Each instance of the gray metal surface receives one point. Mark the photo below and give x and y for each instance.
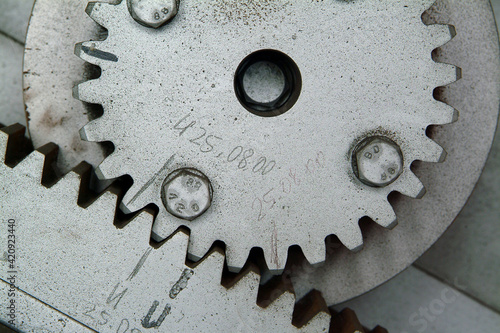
(449, 185)
(33, 316)
(470, 249)
(168, 104)
(475, 96)
(14, 17)
(109, 278)
(415, 302)
(11, 95)
(50, 72)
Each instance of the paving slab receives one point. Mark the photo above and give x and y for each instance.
(14, 17)
(416, 302)
(11, 91)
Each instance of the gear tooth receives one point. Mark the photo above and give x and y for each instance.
(211, 266)
(248, 281)
(411, 186)
(385, 215)
(69, 185)
(131, 202)
(310, 307)
(37, 164)
(177, 243)
(446, 74)
(88, 91)
(139, 228)
(315, 254)
(285, 301)
(163, 228)
(442, 114)
(235, 259)
(276, 258)
(352, 237)
(107, 169)
(440, 34)
(10, 136)
(320, 320)
(100, 12)
(94, 131)
(105, 206)
(430, 151)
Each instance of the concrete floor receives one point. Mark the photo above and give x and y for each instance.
(454, 287)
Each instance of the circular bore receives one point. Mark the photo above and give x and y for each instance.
(282, 78)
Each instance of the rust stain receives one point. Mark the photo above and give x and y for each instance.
(50, 120)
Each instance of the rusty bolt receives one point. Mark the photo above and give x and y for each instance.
(187, 194)
(378, 161)
(153, 13)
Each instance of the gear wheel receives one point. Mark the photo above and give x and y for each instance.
(281, 178)
(73, 258)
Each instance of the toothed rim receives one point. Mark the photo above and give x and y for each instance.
(63, 197)
(415, 144)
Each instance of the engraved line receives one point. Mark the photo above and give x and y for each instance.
(139, 264)
(99, 54)
(151, 181)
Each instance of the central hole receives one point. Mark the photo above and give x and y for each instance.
(264, 82)
(268, 83)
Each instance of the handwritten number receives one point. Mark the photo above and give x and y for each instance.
(270, 166)
(233, 156)
(270, 200)
(183, 129)
(261, 214)
(199, 137)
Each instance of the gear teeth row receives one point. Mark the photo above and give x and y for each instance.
(32, 170)
(432, 112)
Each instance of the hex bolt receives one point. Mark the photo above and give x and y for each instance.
(153, 13)
(187, 194)
(377, 161)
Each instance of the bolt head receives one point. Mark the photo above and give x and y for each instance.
(153, 13)
(378, 161)
(187, 194)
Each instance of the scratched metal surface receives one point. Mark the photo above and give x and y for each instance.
(475, 49)
(169, 105)
(76, 260)
(444, 193)
(50, 72)
(33, 316)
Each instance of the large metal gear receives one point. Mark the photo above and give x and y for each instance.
(281, 174)
(72, 253)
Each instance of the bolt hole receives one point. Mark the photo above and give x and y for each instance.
(268, 83)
